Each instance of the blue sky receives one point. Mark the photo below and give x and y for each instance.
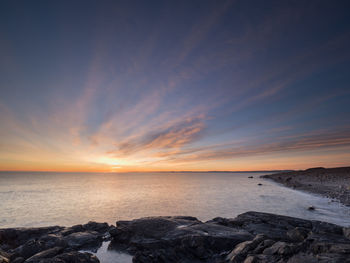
(174, 85)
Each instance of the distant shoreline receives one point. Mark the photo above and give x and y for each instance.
(262, 171)
(333, 183)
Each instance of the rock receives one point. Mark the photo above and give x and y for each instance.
(83, 239)
(5, 254)
(73, 229)
(276, 248)
(272, 226)
(178, 235)
(250, 259)
(340, 249)
(17, 236)
(298, 234)
(239, 253)
(94, 226)
(49, 253)
(311, 208)
(250, 177)
(324, 227)
(302, 257)
(250, 237)
(29, 248)
(72, 257)
(264, 244)
(53, 240)
(346, 232)
(4, 260)
(259, 184)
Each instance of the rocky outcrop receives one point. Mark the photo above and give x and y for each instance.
(251, 237)
(52, 244)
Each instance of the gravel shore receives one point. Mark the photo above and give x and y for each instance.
(330, 182)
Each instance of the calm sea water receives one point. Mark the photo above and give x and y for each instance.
(42, 199)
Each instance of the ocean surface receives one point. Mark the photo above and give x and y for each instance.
(43, 199)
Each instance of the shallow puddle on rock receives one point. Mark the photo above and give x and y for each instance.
(111, 256)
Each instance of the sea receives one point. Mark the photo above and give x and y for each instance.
(29, 199)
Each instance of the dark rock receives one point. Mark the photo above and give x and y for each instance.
(17, 236)
(49, 253)
(177, 235)
(29, 249)
(273, 226)
(259, 184)
(239, 253)
(264, 244)
(73, 229)
(83, 239)
(18, 260)
(311, 208)
(250, 177)
(251, 237)
(53, 240)
(72, 257)
(94, 226)
(324, 227)
(298, 234)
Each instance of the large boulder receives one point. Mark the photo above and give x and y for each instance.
(13, 237)
(186, 236)
(80, 240)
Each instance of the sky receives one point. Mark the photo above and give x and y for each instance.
(117, 86)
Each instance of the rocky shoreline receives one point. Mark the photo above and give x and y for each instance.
(248, 238)
(333, 183)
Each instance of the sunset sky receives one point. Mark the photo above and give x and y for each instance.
(174, 85)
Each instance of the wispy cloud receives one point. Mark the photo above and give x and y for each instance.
(301, 143)
(174, 136)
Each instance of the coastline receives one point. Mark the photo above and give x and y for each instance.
(333, 183)
(248, 238)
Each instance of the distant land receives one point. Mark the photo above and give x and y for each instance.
(330, 182)
(259, 171)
